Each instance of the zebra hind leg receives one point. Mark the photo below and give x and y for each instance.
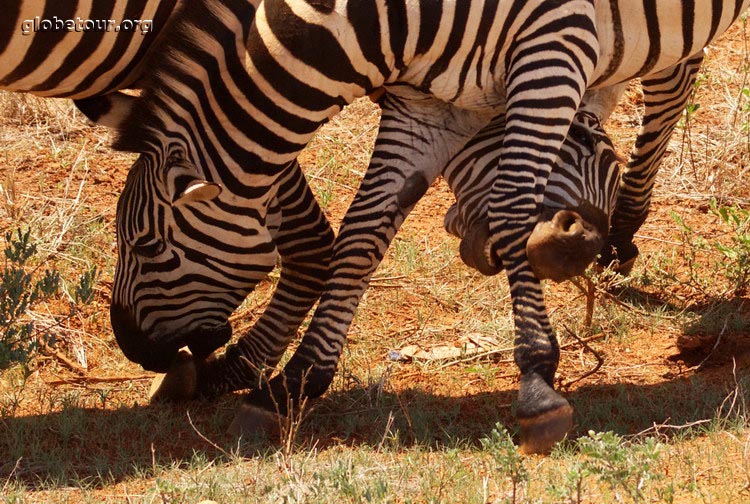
(665, 95)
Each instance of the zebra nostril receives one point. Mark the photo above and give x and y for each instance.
(568, 223)
(562, 247)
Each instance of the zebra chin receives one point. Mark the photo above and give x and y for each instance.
(157, 352)
(562, 245)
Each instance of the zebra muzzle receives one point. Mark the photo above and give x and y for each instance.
(137, 346)
(560, 247)
(563, 246)
(157, 351)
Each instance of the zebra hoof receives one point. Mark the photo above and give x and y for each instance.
(626, 267)
(180, 383)
(540, 433)
(254, 422)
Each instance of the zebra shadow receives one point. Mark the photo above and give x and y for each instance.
(714, 329)
(95, 447)
(100, 447)
(418, 417)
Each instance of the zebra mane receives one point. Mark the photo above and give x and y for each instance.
(170, 61)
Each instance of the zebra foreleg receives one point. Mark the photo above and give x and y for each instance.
(542, 101)
(305, 244)
(665, 96)
(357, 252)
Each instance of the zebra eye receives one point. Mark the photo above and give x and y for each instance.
(175, 157)
(148, 248)
(581, 135)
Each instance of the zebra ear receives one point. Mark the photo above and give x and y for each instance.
(198, 191)
(108, 110)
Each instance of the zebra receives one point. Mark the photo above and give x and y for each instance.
(197, 159)
(451, 66)
(578, 201)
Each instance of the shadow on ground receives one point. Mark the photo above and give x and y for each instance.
(715, 331)
(98, 447)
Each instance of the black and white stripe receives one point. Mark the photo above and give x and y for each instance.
(76, 64)
(666, 94)
(229, 103)
(584, 174)
(449, 68)
(296, 74)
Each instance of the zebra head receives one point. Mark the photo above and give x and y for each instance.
(189, 249)
(578, 200)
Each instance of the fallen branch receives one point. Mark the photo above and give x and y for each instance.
(599, 359)
(77, 380)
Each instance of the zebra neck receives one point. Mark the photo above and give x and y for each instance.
(198, 93)
(77, 49)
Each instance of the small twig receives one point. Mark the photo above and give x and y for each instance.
(64, 360)
(478, 355)
(10, 476)
(599, 359)
(377, 285)
(590, 292)
(734, 394)
(387, 278)
(98, 379)
(581, 340)
(204, 438)
(713, 349)
(494, 351)
(632, 308)
(406, 415)
(656, 427)
(653, 238)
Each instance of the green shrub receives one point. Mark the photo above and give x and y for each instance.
(22, 286)
(734, 257)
